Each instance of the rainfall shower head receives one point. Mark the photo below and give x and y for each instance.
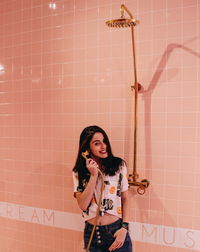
(122, 21)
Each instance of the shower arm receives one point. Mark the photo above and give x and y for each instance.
(132, 179)
(124, 8)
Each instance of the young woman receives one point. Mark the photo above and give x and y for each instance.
(111, 232)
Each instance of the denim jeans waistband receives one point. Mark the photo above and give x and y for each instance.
(114, 224)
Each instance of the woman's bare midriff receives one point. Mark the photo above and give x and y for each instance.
(106, 219)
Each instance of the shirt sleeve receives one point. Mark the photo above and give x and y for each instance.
(124, 184)
(77, 187)
(75, 181)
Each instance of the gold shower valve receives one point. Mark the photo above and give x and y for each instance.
(142, 185)
(133, 177)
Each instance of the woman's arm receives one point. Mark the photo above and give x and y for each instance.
(84, 198)
(120, 234)
(125, 206)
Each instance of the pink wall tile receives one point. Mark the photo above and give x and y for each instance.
(64, 69)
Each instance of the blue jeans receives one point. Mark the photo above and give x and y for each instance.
(104, 237)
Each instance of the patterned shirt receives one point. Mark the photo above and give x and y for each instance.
(111, 200)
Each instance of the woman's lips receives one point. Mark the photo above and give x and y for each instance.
(103, 152)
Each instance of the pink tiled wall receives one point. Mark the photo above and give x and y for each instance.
(62, 69)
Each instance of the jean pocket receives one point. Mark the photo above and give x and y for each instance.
(111, 230)
(127, 243)
(108, 237)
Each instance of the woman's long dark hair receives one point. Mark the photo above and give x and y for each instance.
(111, 164)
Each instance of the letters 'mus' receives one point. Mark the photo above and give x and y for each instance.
(167, 236)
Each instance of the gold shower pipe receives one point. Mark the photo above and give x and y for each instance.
(124, 22)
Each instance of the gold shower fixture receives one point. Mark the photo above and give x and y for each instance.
(121, 23)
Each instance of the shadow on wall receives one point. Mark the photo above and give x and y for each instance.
(147, 94)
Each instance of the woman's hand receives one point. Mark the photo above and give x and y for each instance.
(92, 166)
(120, 236)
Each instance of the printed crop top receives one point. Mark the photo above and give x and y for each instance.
(111, 200)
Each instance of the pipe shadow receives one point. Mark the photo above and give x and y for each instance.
(147, 96)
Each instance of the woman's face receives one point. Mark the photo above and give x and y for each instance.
(98, 147)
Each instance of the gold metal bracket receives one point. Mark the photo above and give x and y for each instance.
(142, 185)
(140, 87)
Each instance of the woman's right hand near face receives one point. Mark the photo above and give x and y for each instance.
(92, 166)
